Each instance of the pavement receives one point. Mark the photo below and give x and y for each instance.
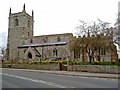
(73, 73)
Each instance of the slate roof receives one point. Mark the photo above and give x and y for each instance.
(44, 44)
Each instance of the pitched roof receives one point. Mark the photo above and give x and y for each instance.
(53, 35)
(40, 45)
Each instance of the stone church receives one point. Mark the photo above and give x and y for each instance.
(22, 44)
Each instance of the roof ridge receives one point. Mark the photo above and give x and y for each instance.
(52, 34)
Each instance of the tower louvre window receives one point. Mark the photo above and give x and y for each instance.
(16, 22)
(28, 23)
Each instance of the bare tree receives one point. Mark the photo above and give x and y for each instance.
(94, 28)
(117, 31)
(94, 36)
(116, 35)
(83, 28)
(2, 53)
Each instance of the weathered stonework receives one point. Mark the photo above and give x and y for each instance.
(78, 68)
(23, 45)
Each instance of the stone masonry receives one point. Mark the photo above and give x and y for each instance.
(23, 45)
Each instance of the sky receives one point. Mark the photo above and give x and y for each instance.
(58, 16)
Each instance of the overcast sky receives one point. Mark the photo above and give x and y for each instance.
(58, 16)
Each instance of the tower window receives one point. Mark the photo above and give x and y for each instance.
(16, 22)
(28, 23)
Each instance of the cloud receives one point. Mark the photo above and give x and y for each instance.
(3, 39)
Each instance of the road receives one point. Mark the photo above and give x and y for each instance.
(13, 78)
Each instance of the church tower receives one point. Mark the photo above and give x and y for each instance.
(20, 26)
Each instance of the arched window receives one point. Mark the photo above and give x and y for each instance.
(45, 39)
(58, 39)
(18, 54)
(103, 52)
(77, 53)
(16, 22)
(28, 33)
(29, 55)
(24, 50)
(55, 53)
(28, 23)
(31, 41)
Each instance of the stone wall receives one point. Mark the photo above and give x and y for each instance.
(47, 43)
(94, 68)
(81, 68)
(34, 66)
